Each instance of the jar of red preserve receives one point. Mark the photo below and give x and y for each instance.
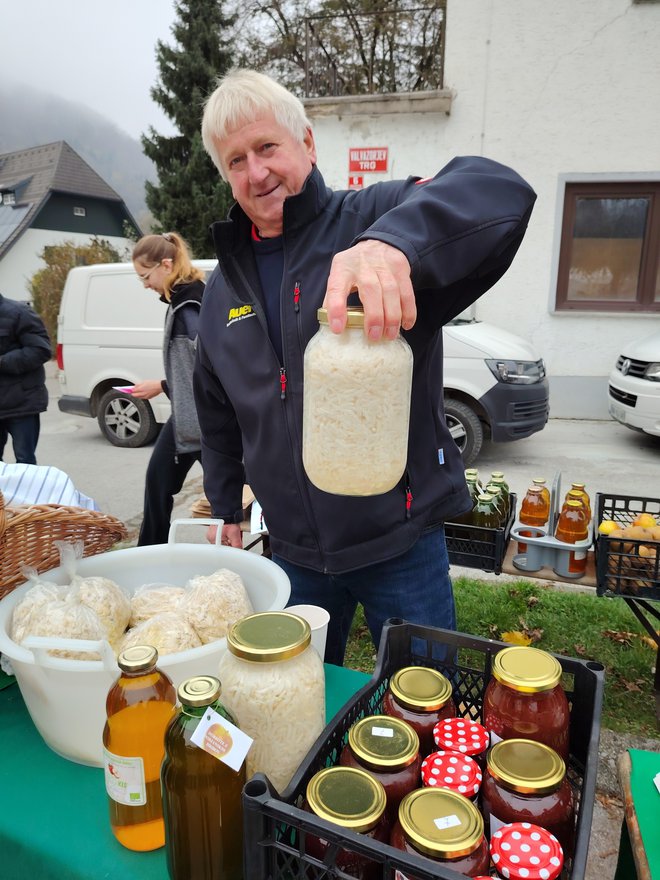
(464, 736)
(445, 827)
(454, 771)
(522, 851)
(524, 699)
(525, 781)
(354, 800)
(420, 696)
(388, 749)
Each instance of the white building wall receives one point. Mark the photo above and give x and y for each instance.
(564, 89)
(21, 262)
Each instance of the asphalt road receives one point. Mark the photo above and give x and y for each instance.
(604, 455)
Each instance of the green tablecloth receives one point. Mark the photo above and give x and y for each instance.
(54, 813)
(646, 798)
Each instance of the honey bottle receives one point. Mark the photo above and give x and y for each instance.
(139, 707)
(534, 511)
(573, 526)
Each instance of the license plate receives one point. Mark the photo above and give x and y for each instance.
(618, 412)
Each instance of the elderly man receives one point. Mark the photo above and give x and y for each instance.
(418, 252)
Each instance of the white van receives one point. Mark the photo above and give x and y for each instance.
(634, 386)
(110, 332)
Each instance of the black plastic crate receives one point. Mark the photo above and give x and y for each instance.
(475, 547)
(275, 826)
(621, 569)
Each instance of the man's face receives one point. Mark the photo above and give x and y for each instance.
(264, 164)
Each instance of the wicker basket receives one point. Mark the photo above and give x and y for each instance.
(28, 533)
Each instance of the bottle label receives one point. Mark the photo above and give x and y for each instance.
(222, 739)
(124, 779)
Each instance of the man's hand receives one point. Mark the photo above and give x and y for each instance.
(381, 275)
(231, 535)
(148, 389)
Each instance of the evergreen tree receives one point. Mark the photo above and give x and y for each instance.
(190, 194)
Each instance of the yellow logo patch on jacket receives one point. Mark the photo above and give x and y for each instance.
(237, 314)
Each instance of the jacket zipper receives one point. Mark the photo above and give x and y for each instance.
(282, 383)
(409, 496)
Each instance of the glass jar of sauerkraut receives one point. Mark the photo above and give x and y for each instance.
(273, 682)
(356, 409)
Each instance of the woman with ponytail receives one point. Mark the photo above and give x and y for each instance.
(163, 264)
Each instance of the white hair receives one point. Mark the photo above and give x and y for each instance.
(242, 96)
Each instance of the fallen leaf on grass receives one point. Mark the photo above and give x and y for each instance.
(532, 601)
(623, 638)
(631, 686)
(516, 638)
(580, 649)
(650, 642)
(493, 629)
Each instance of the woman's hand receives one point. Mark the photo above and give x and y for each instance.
(148, 389)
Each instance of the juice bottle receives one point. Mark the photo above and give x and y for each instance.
(139, 707)
(576, 495)
(472, 475)
(485, 514)
(499, 503)
(201, 794)
(497, 479)
(534, 511)
(573, 526)
(540, 481)
(473, 489)
(579, 487)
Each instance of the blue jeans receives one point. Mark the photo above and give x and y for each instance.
(415, 586)
(24, 432)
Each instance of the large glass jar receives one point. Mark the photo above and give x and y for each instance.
(356, 409)
(421, 696)
(388, 749)
(274, 683)
(354, 800)
(201, 794)
(525, 781)
(524, 699)
(443, 826)
(523, 851)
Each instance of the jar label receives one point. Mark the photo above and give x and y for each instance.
(222, 739)
(124, 779)
(443, 822)
(382, 731)
(580, 554)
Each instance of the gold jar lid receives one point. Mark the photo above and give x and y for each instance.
(139, 658)
(420, 688)
(202, 690)
(347, 796)
(441, 823)
(383, 742)
(354, 316)
(528, 670)
(526, 766)
(269, 636)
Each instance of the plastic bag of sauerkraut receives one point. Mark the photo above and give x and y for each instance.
(169, 632)
(41, 593)
(67, 618)
(152, 599)
(213, 602)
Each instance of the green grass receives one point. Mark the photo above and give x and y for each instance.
(580, 625)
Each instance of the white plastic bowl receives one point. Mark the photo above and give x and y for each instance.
(66, 698)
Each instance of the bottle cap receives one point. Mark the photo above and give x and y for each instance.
(383, 742)
(269, 636)
(347, 796)
(540, 480)
(420, 688)
(354, 317)
(579, 486)
(526, 766)
(461, 735)
(484, 496)
(522, 850)
(441, 823)
(139, 658)
(498, 475)
(202, 690)
(453, 771)
(528, 670)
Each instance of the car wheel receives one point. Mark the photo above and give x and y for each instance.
(125, 420)
(465, 428)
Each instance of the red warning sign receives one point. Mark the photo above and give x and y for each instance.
(367, 159)
(356, 181)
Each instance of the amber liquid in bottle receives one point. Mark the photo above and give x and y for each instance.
(573, 526)
(202, 805)
(534, 511)
(139, 708)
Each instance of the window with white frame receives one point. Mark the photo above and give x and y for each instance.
(79, 212)
(610, 247)
(8, 198)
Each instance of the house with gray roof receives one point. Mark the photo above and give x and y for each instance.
(49, 195)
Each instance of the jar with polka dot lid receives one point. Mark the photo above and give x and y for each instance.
(523, 851)
(453, 771)
(464, 736)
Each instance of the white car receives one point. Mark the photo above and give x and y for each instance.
(634, 386)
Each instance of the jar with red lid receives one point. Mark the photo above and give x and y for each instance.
(388, 749)
(525, 781)
(522, 851)
(464, 736)
(354, 800)
(421, 696)
(524, 699)
(445, 827)
(453, 771)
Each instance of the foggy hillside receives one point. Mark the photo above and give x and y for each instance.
(31, 118)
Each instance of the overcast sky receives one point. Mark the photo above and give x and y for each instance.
(98, 53)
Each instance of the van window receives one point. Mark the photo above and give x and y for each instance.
(101, 307)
